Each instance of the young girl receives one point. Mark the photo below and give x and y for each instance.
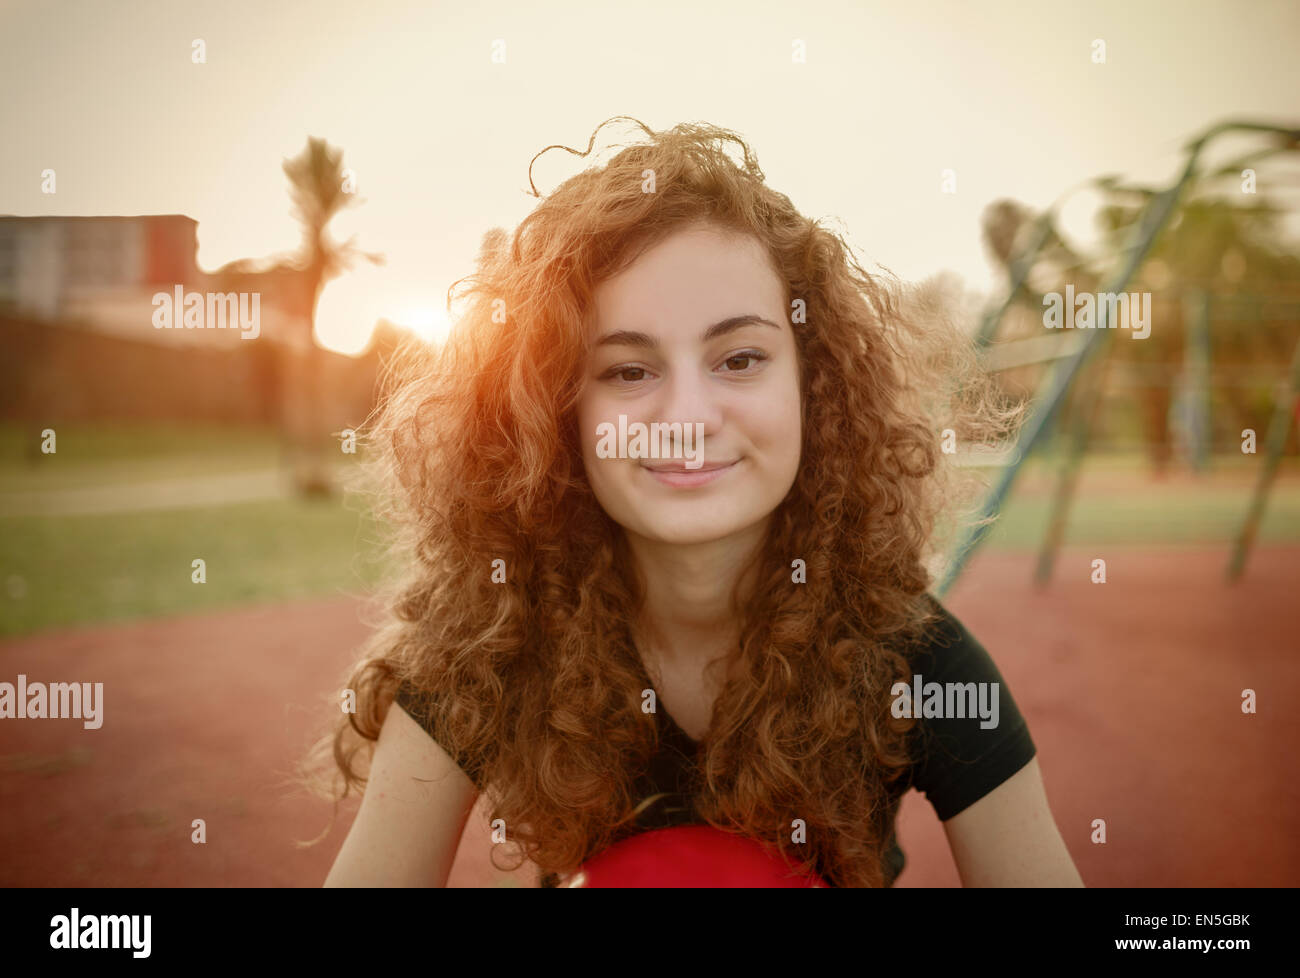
(727, 626)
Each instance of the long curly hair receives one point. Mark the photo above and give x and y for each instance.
(537, 678)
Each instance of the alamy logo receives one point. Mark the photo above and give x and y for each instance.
(946, 701)
(209, 310)
(655, 440)
(103, 931)
(58, 701)
(1086, 311)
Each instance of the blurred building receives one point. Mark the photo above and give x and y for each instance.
(77, 323)
(101, 274)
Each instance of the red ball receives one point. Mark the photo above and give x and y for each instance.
(689, 856)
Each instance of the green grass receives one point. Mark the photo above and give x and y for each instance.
(1210, 515)
(64, 570)
(110, 441)
(116, 454)
(1116, 500)
(98, 568)
(1234, 466)
(70, 569)
(80, 569)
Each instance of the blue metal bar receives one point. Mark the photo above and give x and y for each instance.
(1141, 237)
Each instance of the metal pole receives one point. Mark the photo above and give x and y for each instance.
(1195, 394)
(1019, 272)
(1140, 240)
(1278, 428)
(1076, 445)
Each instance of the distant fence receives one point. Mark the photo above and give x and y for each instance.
(51, 374)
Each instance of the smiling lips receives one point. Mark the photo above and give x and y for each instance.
(676, 473)
(680, 466)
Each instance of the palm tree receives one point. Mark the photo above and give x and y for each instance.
(317, 189)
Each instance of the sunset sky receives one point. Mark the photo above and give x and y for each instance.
(440, 138)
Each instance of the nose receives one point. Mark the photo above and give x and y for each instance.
(689, 397)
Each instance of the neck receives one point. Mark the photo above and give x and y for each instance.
(688, 616)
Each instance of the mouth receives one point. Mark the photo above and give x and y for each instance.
(677, 475)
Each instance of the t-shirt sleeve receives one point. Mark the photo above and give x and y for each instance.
(979, 738)
(424, 710)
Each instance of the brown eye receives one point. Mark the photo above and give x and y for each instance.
(747, 355)
(618, 373)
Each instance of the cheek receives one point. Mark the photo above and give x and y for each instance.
(787, 449)
(588, 415)
(783, 422)
(602, 473)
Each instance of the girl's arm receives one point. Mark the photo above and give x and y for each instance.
(411, 818)
(1009, 838)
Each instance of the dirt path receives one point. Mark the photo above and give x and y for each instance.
(1132, 691)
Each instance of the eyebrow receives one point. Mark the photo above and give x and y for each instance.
(626, 337)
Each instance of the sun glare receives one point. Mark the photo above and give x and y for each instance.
(352, 305)
(347, 312)
(426, 321)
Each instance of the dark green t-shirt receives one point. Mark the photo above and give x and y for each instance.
(957, 758)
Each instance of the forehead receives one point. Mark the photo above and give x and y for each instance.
(694, 276)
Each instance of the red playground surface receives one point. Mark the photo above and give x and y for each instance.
(1132, 690)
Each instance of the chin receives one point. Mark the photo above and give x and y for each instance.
(685, 536)
(687, 525)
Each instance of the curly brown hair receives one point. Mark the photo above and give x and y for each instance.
(537, 678)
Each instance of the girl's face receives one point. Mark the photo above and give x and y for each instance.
(696, 331)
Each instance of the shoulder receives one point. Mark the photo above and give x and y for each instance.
(947, 648)
(972, 736)
(427, 710)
